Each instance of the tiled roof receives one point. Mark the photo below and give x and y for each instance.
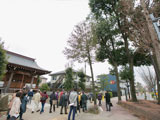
(14, 58)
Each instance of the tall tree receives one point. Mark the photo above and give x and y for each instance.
(109, 47)
(81, 47)
(69, 81)
(112, 8)
(142, 31)
(3, 61)
(82, 80)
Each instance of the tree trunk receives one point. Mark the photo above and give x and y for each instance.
(118, 87)
(128, 90)
(9, 82)
(130, 61)
(132, 86)
(93, 85)
(155, 41)
(157, 71)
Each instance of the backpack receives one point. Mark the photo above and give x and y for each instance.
(43, 98)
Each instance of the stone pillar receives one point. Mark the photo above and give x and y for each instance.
(9, 82)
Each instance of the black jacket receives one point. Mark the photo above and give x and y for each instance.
(107, 97)
(53, 97)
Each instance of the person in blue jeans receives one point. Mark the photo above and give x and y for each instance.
(73, 104)
(44, 97)
(30, 95)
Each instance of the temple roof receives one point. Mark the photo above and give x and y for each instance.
(24, 61)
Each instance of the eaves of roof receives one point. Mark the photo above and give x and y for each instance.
(24, 61)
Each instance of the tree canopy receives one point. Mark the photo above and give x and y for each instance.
(82, 80)
(3, 61)
(69, 81)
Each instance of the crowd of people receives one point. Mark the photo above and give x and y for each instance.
(73, 99)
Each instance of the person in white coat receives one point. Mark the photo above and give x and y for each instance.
(36, 101)
(15, 109)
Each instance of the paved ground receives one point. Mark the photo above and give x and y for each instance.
(117, 113)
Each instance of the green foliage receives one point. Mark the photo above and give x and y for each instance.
(69, 81)
(125, 73)
(82, 80)
(111, 95)
(44, 87)
(3, 61)
(103, 81)
(38, 80)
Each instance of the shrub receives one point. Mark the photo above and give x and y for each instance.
(111, 95)
(44, 87)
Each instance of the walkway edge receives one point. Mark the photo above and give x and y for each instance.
(139, 111)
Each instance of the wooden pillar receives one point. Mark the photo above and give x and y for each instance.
(22, 81)
(32, 81)
(9, 82)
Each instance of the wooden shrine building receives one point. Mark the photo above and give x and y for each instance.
(21, 72)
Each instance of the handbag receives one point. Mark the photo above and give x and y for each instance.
(111, 104)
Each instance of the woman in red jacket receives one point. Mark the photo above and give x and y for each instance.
(44, 97)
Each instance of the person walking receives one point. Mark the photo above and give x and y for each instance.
(24, 101)
(30, 95)
(52, 101)
(44, 97)
(36, 101)
(63, 103)
(107, 97)
(100, 98)
(15, 109)
(73, 104)
(57, 96)
(84, 101)
(78, 102)
(10, 105)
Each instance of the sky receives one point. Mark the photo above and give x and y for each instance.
(40, 29)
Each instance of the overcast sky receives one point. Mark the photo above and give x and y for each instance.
(40, 29)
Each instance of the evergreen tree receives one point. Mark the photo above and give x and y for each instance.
(82, 80)
(69, 81)
(44, 87)
(3, 61)
(112, 10)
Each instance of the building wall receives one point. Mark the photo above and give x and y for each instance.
(17, 80)
(54, 78)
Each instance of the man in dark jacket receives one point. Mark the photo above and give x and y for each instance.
(84, 101)
(23, 107)
(53, 101)
(107, 97)
(63, 103)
